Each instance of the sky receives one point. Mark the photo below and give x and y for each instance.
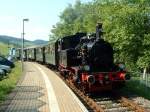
(42, 15)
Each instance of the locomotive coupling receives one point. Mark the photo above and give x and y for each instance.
(91, 79)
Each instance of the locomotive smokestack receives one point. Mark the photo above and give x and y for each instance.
(99, 30)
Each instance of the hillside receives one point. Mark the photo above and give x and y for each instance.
(39, 42)
(17, 41)
(4, 49)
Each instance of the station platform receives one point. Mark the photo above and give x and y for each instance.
(41, 90)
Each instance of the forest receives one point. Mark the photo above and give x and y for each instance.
(126, 24)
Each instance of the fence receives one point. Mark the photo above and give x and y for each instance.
(145, 80)
(142, 80)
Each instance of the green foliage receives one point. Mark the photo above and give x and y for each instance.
(126, 23)
(144, 59)
(7, 84)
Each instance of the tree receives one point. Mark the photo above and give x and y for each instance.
(126, 23)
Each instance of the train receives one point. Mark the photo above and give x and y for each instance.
(84, 59)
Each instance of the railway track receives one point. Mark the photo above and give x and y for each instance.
(117, 104)
(105, 102)
(142, 102)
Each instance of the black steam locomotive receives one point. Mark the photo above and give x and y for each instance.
(85, 60)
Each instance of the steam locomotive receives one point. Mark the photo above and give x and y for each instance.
(85, 60)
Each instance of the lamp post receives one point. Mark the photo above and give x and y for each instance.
(23, 42)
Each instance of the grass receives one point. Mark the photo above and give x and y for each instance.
(4, 49)
(134, 86)
(9, 83)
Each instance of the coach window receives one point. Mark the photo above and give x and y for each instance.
(48, 49)
(60, 44)
(39, 50)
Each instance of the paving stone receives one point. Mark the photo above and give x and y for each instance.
(31, 94)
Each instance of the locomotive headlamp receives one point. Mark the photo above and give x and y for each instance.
(106, 77)
(91, 79)
(86, 67)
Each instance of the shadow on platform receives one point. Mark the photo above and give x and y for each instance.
(23, 99)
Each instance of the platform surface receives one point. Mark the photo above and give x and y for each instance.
(41, 90)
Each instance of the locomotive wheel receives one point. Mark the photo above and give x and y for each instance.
(61, 73)
(70, 77)
(65, 74)
(84, 88)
